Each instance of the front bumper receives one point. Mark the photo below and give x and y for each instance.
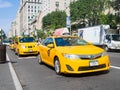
(28, 51)
(83, 66)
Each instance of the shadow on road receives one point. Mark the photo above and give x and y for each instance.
(79, 75)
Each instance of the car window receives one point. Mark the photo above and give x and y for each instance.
(61, 42)
(70, 41)
(47, 41)
(116, 37)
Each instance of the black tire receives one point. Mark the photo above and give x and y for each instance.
(39, 59)
(57, 66)
(106, 48)
(15, 52)
(18, 53)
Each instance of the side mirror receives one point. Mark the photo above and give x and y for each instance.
(50, 45)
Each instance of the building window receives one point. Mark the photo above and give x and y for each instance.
(28, 10)
(57, 5)
(28, 17)
(28, 6)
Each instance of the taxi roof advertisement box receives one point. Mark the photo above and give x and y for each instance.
(61, 31)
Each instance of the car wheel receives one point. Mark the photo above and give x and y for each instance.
(106, 48)
(18, 54)
(15, 52)
(39, 59)
(57, 66)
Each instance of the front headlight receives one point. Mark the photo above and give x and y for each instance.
(71, 56)
(22, 46)
(104, 53)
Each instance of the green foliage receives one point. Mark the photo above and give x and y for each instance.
(41, 34)
(116, 5)
(87, 11)
(54, 20)
(103, 19)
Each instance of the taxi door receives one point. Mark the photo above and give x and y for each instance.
(46, 50)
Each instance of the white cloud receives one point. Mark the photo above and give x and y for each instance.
(5, 4)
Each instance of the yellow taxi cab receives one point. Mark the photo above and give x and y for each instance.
(11, 46)
(25, 46)
(72, 54)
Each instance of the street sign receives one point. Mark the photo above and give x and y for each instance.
(68, 22)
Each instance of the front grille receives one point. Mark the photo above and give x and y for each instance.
(90, 57)
(94, 56)
(31, 52)
(29, 46)
(91, 67)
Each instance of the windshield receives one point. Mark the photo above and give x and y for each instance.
(116, 37)
(27, 39)
(6, 41)
(70, 41)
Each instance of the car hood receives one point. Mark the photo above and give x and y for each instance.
(29, 44)
(84, 49)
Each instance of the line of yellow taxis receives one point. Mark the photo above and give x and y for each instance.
(66, 54)
(24, 46)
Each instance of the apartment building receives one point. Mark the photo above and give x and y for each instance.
(29, 9)
(47, 6)
(30, 14)
(52, 5)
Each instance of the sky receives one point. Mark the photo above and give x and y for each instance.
(8, 10)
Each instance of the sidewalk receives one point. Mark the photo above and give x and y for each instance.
(8, 78)
(6, 82)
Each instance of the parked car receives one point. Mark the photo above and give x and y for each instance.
(12, 46)
(72, 54)
(6, 42)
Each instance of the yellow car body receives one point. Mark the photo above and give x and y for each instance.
(11, 46)
(74, 58)
(25, 46)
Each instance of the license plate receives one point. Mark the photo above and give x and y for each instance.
(30, 50)
(94, 63)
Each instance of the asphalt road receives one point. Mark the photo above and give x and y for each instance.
(42, 77)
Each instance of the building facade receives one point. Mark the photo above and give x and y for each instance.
(30, 14)
(29, 9)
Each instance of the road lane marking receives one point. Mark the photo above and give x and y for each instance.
(16, 81)
(27, 57)
(115, 67)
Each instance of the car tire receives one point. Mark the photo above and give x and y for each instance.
(39, 59)
(18, 54)
(106, 48)
(15, 52)
(57, 66)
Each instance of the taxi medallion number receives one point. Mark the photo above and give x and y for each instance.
(30, 50)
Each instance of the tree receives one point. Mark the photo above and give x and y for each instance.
(41, 34)
(116, 6)
(87, 11)
(54, 20)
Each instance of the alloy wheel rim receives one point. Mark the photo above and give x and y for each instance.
(39, 59)
(57, 66)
